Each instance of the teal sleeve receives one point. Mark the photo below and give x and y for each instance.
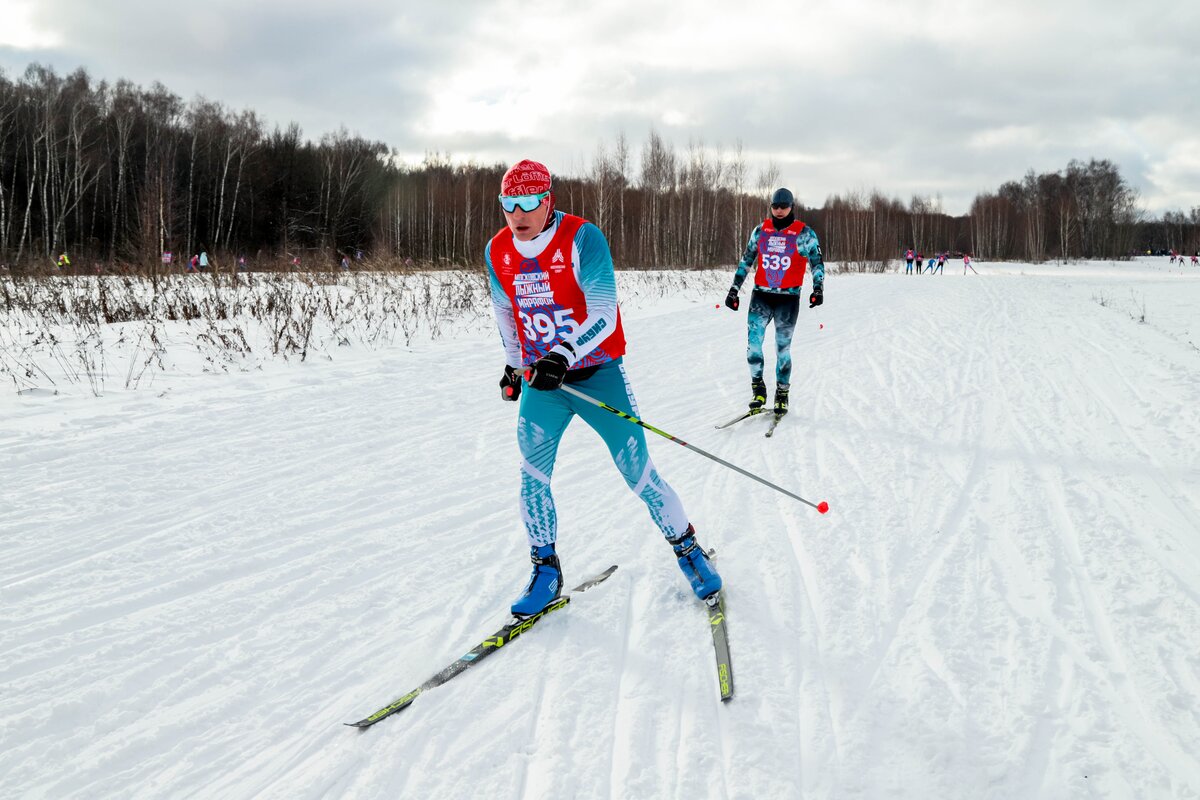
(749, 258)
(810, 247)
(596, 274)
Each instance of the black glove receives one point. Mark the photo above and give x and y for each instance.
(547, 372)
(816, 298)
(732, 299)
(510, 384)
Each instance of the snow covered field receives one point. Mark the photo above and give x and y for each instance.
(203, 577)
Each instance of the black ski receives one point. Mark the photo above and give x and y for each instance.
(514, 628)
(752, 412)
(774, 424)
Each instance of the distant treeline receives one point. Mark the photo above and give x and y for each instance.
(120, 174)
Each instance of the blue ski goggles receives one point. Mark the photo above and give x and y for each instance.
(525, 202)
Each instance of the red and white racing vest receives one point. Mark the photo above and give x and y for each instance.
(780, 265)
(547, 301)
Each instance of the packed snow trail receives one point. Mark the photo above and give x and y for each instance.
(200, 583)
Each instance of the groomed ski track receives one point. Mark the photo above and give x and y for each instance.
(200, 582)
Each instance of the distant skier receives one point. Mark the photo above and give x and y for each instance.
(554, 294)
(920, 260)
(967, 264)
(941, 264)
(1195, 260)
(908, 259)
(63, 262)
(780, 249)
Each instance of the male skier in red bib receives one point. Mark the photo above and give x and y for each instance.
(779, 249)
(554, 293)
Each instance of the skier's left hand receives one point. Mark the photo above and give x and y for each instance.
(816, 298)
(548, 372)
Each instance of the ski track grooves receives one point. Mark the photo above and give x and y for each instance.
(621, 721)
(948, 527)
(1003, 601)
(1100, 620)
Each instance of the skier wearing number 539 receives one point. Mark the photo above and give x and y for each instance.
(779, 249)
(554, 293)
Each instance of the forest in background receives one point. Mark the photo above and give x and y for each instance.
(116, 174)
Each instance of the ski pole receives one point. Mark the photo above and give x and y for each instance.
(821, 507)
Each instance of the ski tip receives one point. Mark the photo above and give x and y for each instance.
(603, 576)
(362, 724)
(593, 581)
(823, 507)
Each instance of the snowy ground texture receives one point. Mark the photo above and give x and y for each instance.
(203, 577)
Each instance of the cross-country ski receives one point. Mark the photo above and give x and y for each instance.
(719, 628)
(747, 415)
(492, 644)
(773, 424)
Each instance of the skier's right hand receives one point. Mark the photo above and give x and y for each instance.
(732, 300)
(510, 384)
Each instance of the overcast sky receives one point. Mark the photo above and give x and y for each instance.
(929, 97)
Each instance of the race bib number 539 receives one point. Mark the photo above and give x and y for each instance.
(773, 261)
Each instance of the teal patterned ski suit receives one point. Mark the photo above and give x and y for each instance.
(778, 305)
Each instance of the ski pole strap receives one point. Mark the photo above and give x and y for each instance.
(821, 507)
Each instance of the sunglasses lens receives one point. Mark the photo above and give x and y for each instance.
(780, 205)
(525, 202)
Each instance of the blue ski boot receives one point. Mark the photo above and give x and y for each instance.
(695, 564)
(545, 584)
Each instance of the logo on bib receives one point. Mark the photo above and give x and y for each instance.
(777, 244)
(532, 286)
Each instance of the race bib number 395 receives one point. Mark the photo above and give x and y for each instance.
(545, 326)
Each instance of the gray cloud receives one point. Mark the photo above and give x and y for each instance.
(920, 99)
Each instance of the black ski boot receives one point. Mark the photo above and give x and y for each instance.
(759, 389)
(781, 398)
